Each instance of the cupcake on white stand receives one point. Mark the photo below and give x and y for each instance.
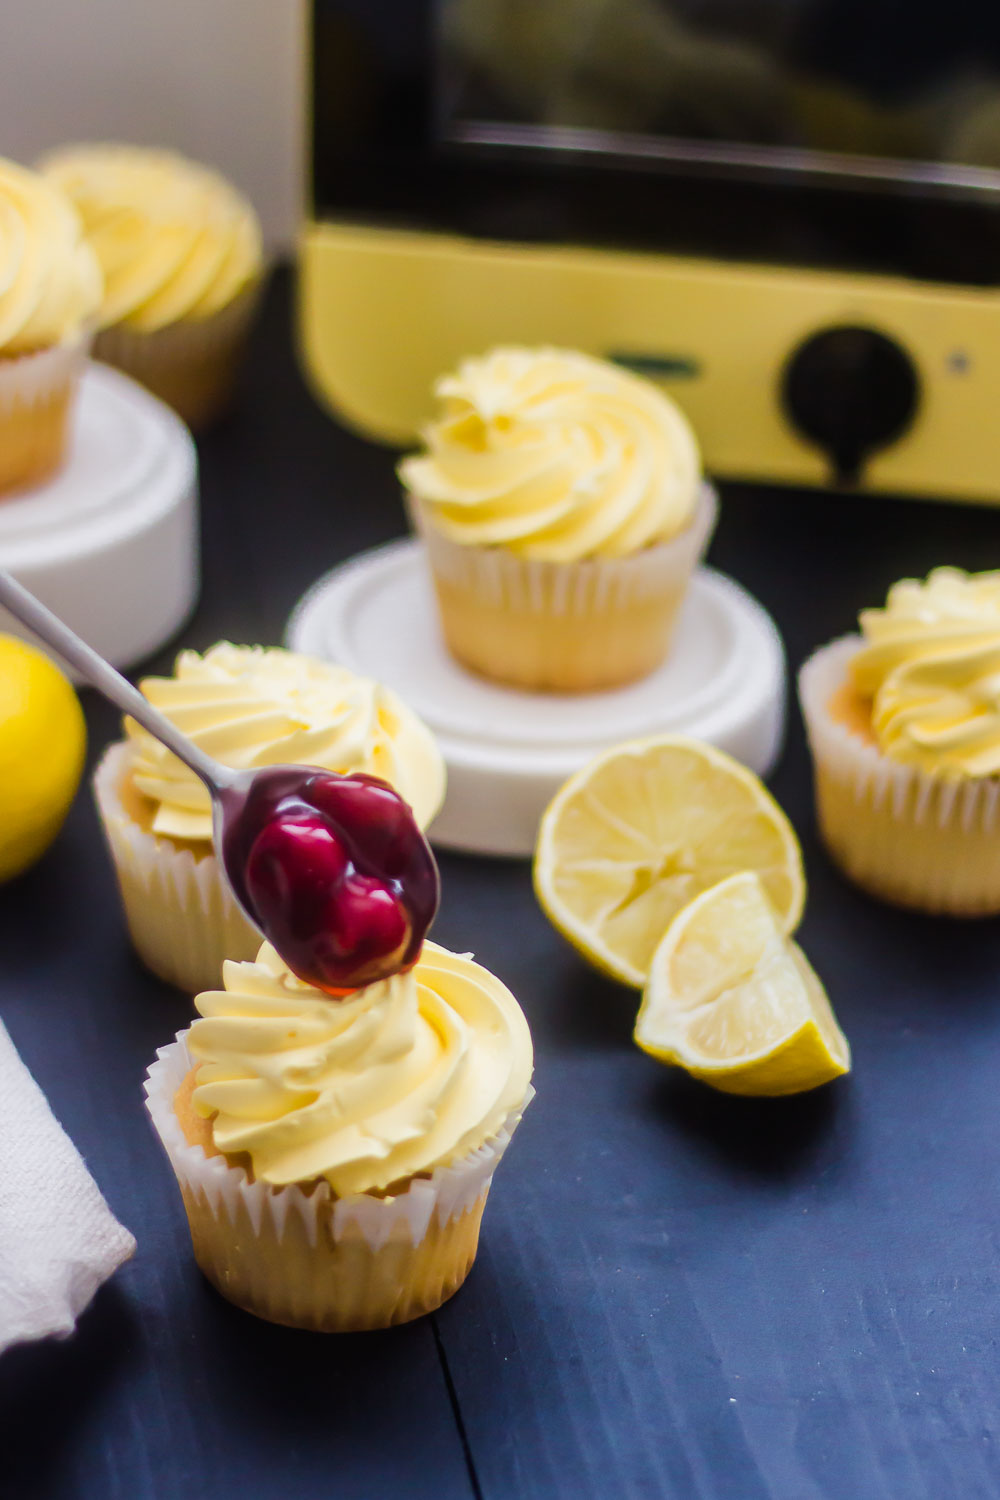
(553, 606)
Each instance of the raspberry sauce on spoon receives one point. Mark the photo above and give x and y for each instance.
(332, 870)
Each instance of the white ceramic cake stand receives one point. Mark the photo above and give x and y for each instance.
(508, 751)
(110, 543)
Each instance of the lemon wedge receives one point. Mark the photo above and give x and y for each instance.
(635, 835)
(735, 1002)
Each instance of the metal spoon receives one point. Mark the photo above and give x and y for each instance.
(398, 869)
(229, 790)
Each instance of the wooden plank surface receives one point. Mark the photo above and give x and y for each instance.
(707, 1298)
(678, 1295)
(166, 1391)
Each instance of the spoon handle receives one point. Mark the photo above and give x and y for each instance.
(102, 675)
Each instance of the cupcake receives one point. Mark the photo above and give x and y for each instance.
(904, 726)
(334, 1155)
(248, 706)
(561, 503)
(50, 291)
(180, 249)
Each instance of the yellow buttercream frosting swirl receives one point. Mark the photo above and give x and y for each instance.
(50, 282)
(556, 456)
(930, 663)
(175, 240)
(255, 706)
(407, 1075)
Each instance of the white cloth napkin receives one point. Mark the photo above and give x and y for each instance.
(58, 1238)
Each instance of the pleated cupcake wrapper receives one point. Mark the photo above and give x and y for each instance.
(36, 392)
(183, 918)
(28, 381)
(921, 840)
(501, 579)
(447, 1194)
(188, 339)
(189, 364)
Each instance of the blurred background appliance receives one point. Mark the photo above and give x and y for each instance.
(789, 213)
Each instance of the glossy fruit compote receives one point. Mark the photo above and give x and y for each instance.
(335, 872)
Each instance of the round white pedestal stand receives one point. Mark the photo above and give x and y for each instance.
(110, 543)
(508, 751)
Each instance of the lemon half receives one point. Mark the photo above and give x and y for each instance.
(733, 1001)
(639, 832)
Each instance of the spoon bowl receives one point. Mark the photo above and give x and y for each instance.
(331, 869)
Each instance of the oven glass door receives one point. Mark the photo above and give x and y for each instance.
(840, 134)
(871, 89)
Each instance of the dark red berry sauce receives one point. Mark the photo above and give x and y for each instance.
(334, 869)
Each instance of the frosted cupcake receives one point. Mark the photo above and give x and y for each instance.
(561, 502)
(248, 706)
(904, 727)
(50, 290)
(180, 250)
(334, 1156)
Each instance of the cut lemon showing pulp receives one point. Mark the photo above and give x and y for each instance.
(639, 832)
(735, 1002)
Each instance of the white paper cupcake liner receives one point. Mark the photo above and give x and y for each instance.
(36, 399)
(30, 380)
(501, 579)
(190, 363)
(446, 1194)
(562, 626)
(190, 339)
(309, 1259)
(916, 839)
(183, 918)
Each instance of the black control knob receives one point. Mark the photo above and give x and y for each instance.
(850, 390)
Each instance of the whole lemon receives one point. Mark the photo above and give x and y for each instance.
(42, 743)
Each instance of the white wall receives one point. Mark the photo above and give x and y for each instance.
(218, 79)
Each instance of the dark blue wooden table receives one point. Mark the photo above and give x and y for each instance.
(677, 1294)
